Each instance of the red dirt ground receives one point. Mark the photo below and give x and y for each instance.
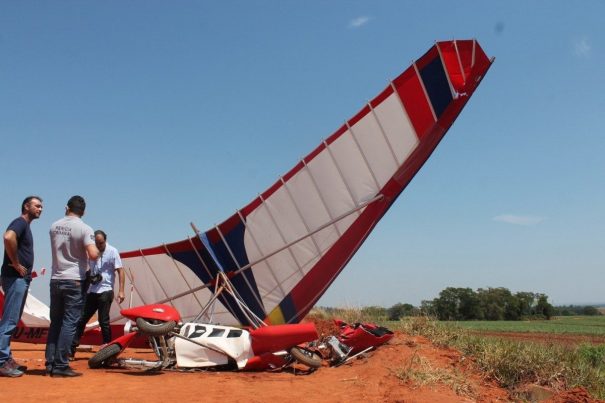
(371, 379)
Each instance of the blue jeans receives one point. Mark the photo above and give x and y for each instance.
(66, 302)
(15, 292)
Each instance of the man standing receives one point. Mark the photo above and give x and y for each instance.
(72, 243)
(100, 293)
(16, 276)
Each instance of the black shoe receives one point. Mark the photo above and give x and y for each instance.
(64, 373)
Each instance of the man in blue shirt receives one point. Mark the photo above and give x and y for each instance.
(100, 293)
(15, 277)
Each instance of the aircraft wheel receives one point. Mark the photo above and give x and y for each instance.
(155, 329)
(306, 357)
(103, 355)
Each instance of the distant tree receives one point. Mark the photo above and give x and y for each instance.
(428, 308)
(569, 310)
(487, 304)
(457, 304)
(469, 308)
(399, 311)
(526, 302)
(590, 310)
(493, 311)
(564, 312)
(498, 304)
(375, 313)
(446, 305)
(543, 307)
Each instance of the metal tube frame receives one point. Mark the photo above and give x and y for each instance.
(249, 265)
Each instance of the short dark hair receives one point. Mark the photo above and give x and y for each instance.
(77, 205)
(27, 200)
(100, 232)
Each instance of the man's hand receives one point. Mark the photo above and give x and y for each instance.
(19, 268)
(122, 279)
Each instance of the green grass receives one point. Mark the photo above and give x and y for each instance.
(420, 372)
(585, 325)
(510, 363)
(514, 363)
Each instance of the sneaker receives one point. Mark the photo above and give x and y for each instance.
(11, 361)
(64, 373)
(8, 371)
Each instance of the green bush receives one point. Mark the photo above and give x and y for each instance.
(593, 354)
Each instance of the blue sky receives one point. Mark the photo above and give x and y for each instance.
(162, 113)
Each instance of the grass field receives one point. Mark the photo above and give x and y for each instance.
(516, 362)
(587, 325)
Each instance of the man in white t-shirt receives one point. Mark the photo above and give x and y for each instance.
(100, 293)
(72, 243)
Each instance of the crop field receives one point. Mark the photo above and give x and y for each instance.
(585, 325)
(561, 353)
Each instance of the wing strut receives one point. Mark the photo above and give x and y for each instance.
(249, 265)
(223, 284)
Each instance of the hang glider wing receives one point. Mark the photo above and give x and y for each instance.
(35, 312)
(284, 249)
(34, 322)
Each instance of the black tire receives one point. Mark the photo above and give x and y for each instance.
(155, 329)
(103, 355)
(306, 357)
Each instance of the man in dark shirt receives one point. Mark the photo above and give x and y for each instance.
(15, 277)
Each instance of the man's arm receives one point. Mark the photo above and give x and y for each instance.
(93, 252)
(122, 280)
(10, 246)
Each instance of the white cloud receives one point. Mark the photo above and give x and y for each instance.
(359, 22)
(526, 220)
(582, 47)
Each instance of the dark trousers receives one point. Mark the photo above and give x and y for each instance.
(100, 303)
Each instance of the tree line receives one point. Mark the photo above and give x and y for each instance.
(573, 310)
(488, 304)
(483, 304)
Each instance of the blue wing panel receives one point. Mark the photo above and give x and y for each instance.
(437, 86)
